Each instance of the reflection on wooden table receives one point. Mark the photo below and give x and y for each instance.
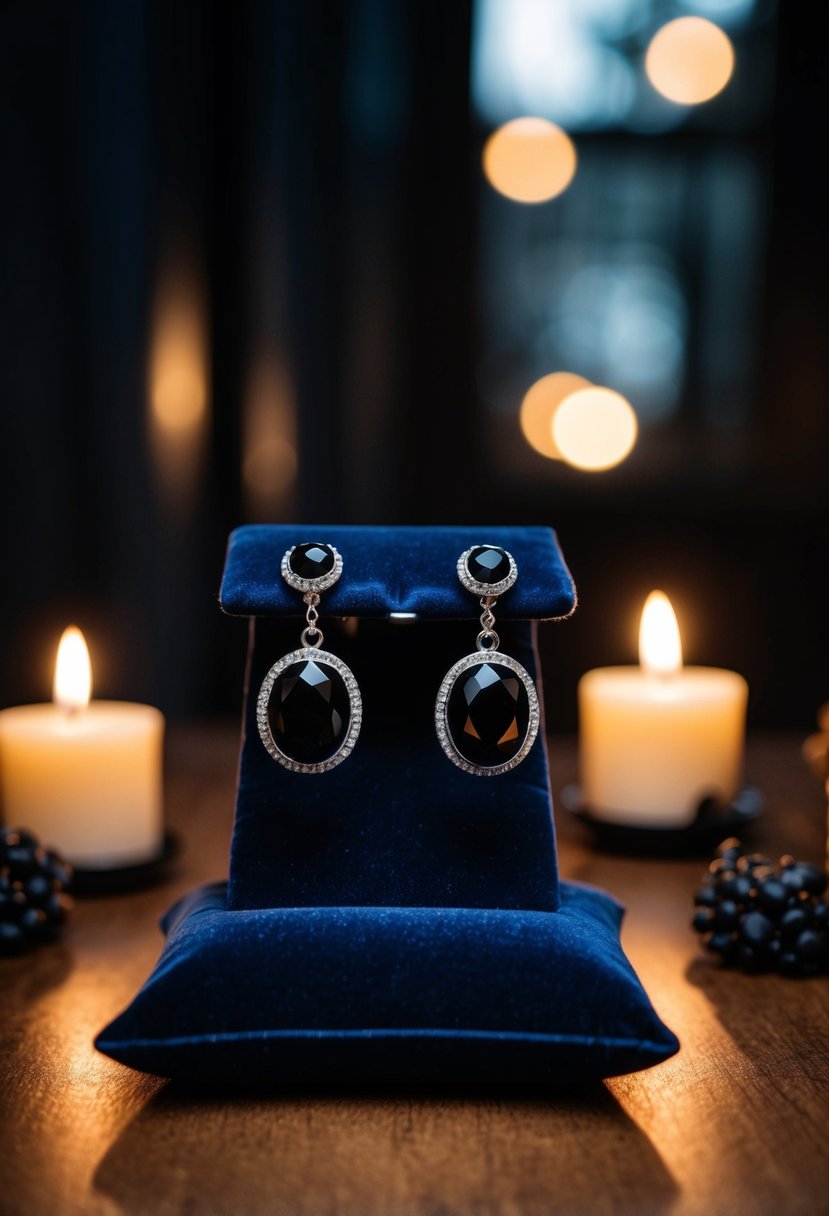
(734, 1123)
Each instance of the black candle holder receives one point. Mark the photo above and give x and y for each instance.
(713, 821)
(119, 879)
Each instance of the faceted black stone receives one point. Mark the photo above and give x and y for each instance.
(309, 711)
(311, 561)
(488, 564)
(488, 714)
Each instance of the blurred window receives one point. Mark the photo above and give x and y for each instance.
(646, 275)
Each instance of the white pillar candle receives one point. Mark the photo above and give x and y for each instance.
(657, 739)
(85, 777)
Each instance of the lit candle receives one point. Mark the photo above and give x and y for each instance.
(657, 739)
(84, 776)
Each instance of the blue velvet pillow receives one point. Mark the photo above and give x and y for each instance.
(391, 995)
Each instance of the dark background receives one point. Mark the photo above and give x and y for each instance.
(290, 195)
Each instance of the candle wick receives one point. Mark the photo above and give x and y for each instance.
(661, 678)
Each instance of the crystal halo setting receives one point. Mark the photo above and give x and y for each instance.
(477, 586)
(350, 730)
(329, 573)
(442, 710)
(487, 713)
(309, 709)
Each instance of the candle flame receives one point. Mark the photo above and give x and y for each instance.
(73, 672)
(660, 646)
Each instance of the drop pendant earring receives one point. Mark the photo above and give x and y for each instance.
(486, 713)
(309, 709)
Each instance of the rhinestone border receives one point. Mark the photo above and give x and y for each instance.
(442, 726)
(489, 589)
(311, 584)
(355, 721)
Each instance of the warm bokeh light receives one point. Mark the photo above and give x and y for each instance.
(178, 392)
(538, 409)
(660, 646)
(530, 160)
(72, 687)
(178, 377)
(594, 429)
(269, 441)
(689, 60)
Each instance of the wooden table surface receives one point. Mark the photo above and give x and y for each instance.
(736, 1123)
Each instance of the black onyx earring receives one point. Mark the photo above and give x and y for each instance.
(486, 714)
(309, 709)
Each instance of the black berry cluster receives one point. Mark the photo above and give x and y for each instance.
(33, 886)
(764, 917)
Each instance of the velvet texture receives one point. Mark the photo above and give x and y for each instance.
(391, 995)
(395, 570)
(395, 919)
(396, 823)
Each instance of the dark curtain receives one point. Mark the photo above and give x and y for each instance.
(298, 173)
(285, 196)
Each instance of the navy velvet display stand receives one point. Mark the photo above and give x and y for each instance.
(394, 919)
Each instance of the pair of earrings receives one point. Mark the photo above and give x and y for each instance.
(309, 709)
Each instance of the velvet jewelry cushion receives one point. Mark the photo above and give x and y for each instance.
(394, 920)
(391, 995)
(397, 824)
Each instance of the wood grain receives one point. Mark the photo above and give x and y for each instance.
(735, 1123)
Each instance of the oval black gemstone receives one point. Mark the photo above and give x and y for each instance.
(312, 561)
(488, 564)
(309, 711)
(488, 714)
